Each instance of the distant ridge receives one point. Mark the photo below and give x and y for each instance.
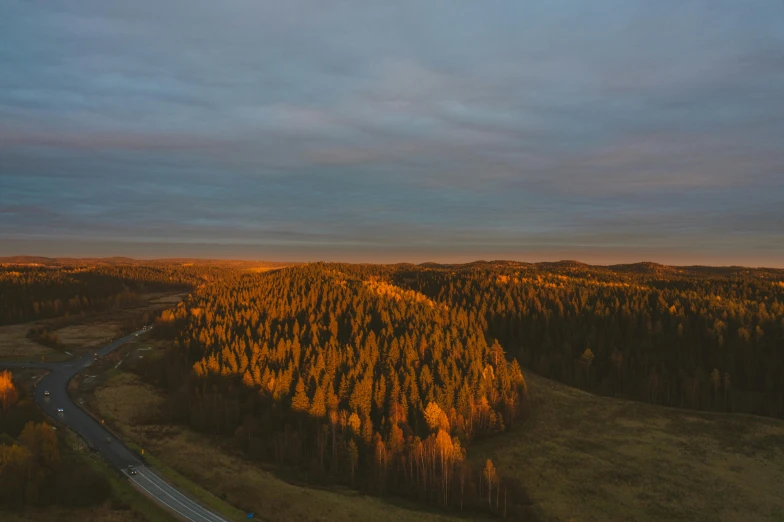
(113, 261)
(565, 263)
(645, 268)
(642, 268)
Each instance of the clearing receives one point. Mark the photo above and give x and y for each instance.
(582, 457)
(79, 334)
(15, 344)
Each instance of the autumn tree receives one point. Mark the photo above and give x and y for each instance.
(40, 439)
(8, 393)
(300, 401)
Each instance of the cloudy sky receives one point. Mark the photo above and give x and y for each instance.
(604, 131)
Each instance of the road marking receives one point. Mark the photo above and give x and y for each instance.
(212, 515)
(154, 496)
(157, 481)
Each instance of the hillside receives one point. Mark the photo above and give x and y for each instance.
(582, 457)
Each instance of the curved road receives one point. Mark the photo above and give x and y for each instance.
(56, 383)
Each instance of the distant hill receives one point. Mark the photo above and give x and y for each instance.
(113, 261)
(644, 268)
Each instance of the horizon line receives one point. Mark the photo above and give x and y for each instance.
(9, 259)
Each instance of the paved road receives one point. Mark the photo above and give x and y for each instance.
(92, 431)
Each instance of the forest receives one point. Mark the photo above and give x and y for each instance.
(33, 291)
(695, 337)
(380, 377)
(347, 378)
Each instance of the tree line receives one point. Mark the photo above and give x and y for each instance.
(695, 337)
(29, 293)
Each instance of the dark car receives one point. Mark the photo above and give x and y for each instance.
(131, 470)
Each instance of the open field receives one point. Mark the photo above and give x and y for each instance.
(15, 344)
(128, 405)
(168, 300)
(582, 457)
(79, 334)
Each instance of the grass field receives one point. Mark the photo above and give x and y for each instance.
(582, 457)
(15, 344)
(200, 462)
(578, 457)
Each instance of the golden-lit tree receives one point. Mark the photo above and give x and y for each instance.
(491, 479)
(433, 415)
(8, 393)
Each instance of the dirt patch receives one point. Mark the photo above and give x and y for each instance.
(584, 457)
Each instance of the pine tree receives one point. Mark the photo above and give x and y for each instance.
(318, 407)
(300, 400)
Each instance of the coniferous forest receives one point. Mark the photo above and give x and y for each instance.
(30, 292)
(380, 377)
(334, 370)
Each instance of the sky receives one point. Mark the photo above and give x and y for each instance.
(603, 131)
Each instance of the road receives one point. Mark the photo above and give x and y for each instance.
(95, 434)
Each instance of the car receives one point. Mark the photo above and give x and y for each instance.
(108, 440)
(60, 410)
(131, 470)
(46, 393)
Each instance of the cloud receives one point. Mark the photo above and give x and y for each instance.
(465, 129)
